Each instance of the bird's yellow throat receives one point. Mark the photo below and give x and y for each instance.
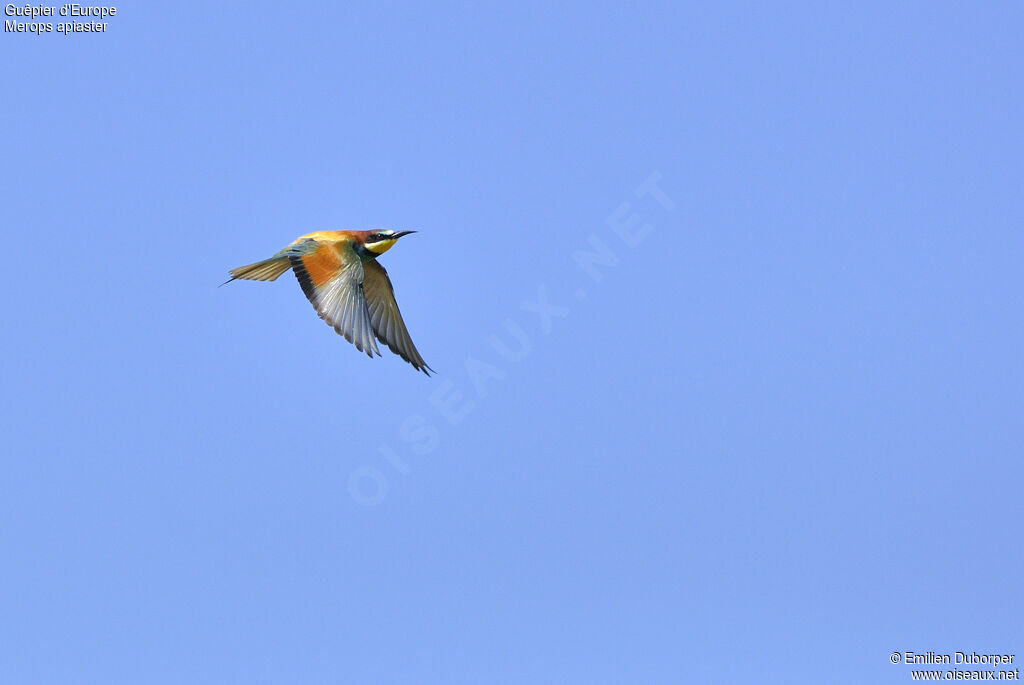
(381, 246)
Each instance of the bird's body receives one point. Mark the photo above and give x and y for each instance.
(339, 273)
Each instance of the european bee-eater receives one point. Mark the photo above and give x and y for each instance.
(339, 273)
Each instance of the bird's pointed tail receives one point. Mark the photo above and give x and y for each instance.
(267, 270)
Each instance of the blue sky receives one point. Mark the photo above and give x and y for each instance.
(774, 436)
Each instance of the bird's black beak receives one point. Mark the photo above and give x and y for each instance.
(399, 234)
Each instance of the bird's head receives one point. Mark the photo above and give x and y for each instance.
(379, 242)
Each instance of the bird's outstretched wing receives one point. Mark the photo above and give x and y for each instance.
(385, 317)
(331, 275)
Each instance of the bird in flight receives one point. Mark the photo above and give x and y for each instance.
(339, 273)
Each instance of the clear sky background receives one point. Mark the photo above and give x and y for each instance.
(778, 439)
